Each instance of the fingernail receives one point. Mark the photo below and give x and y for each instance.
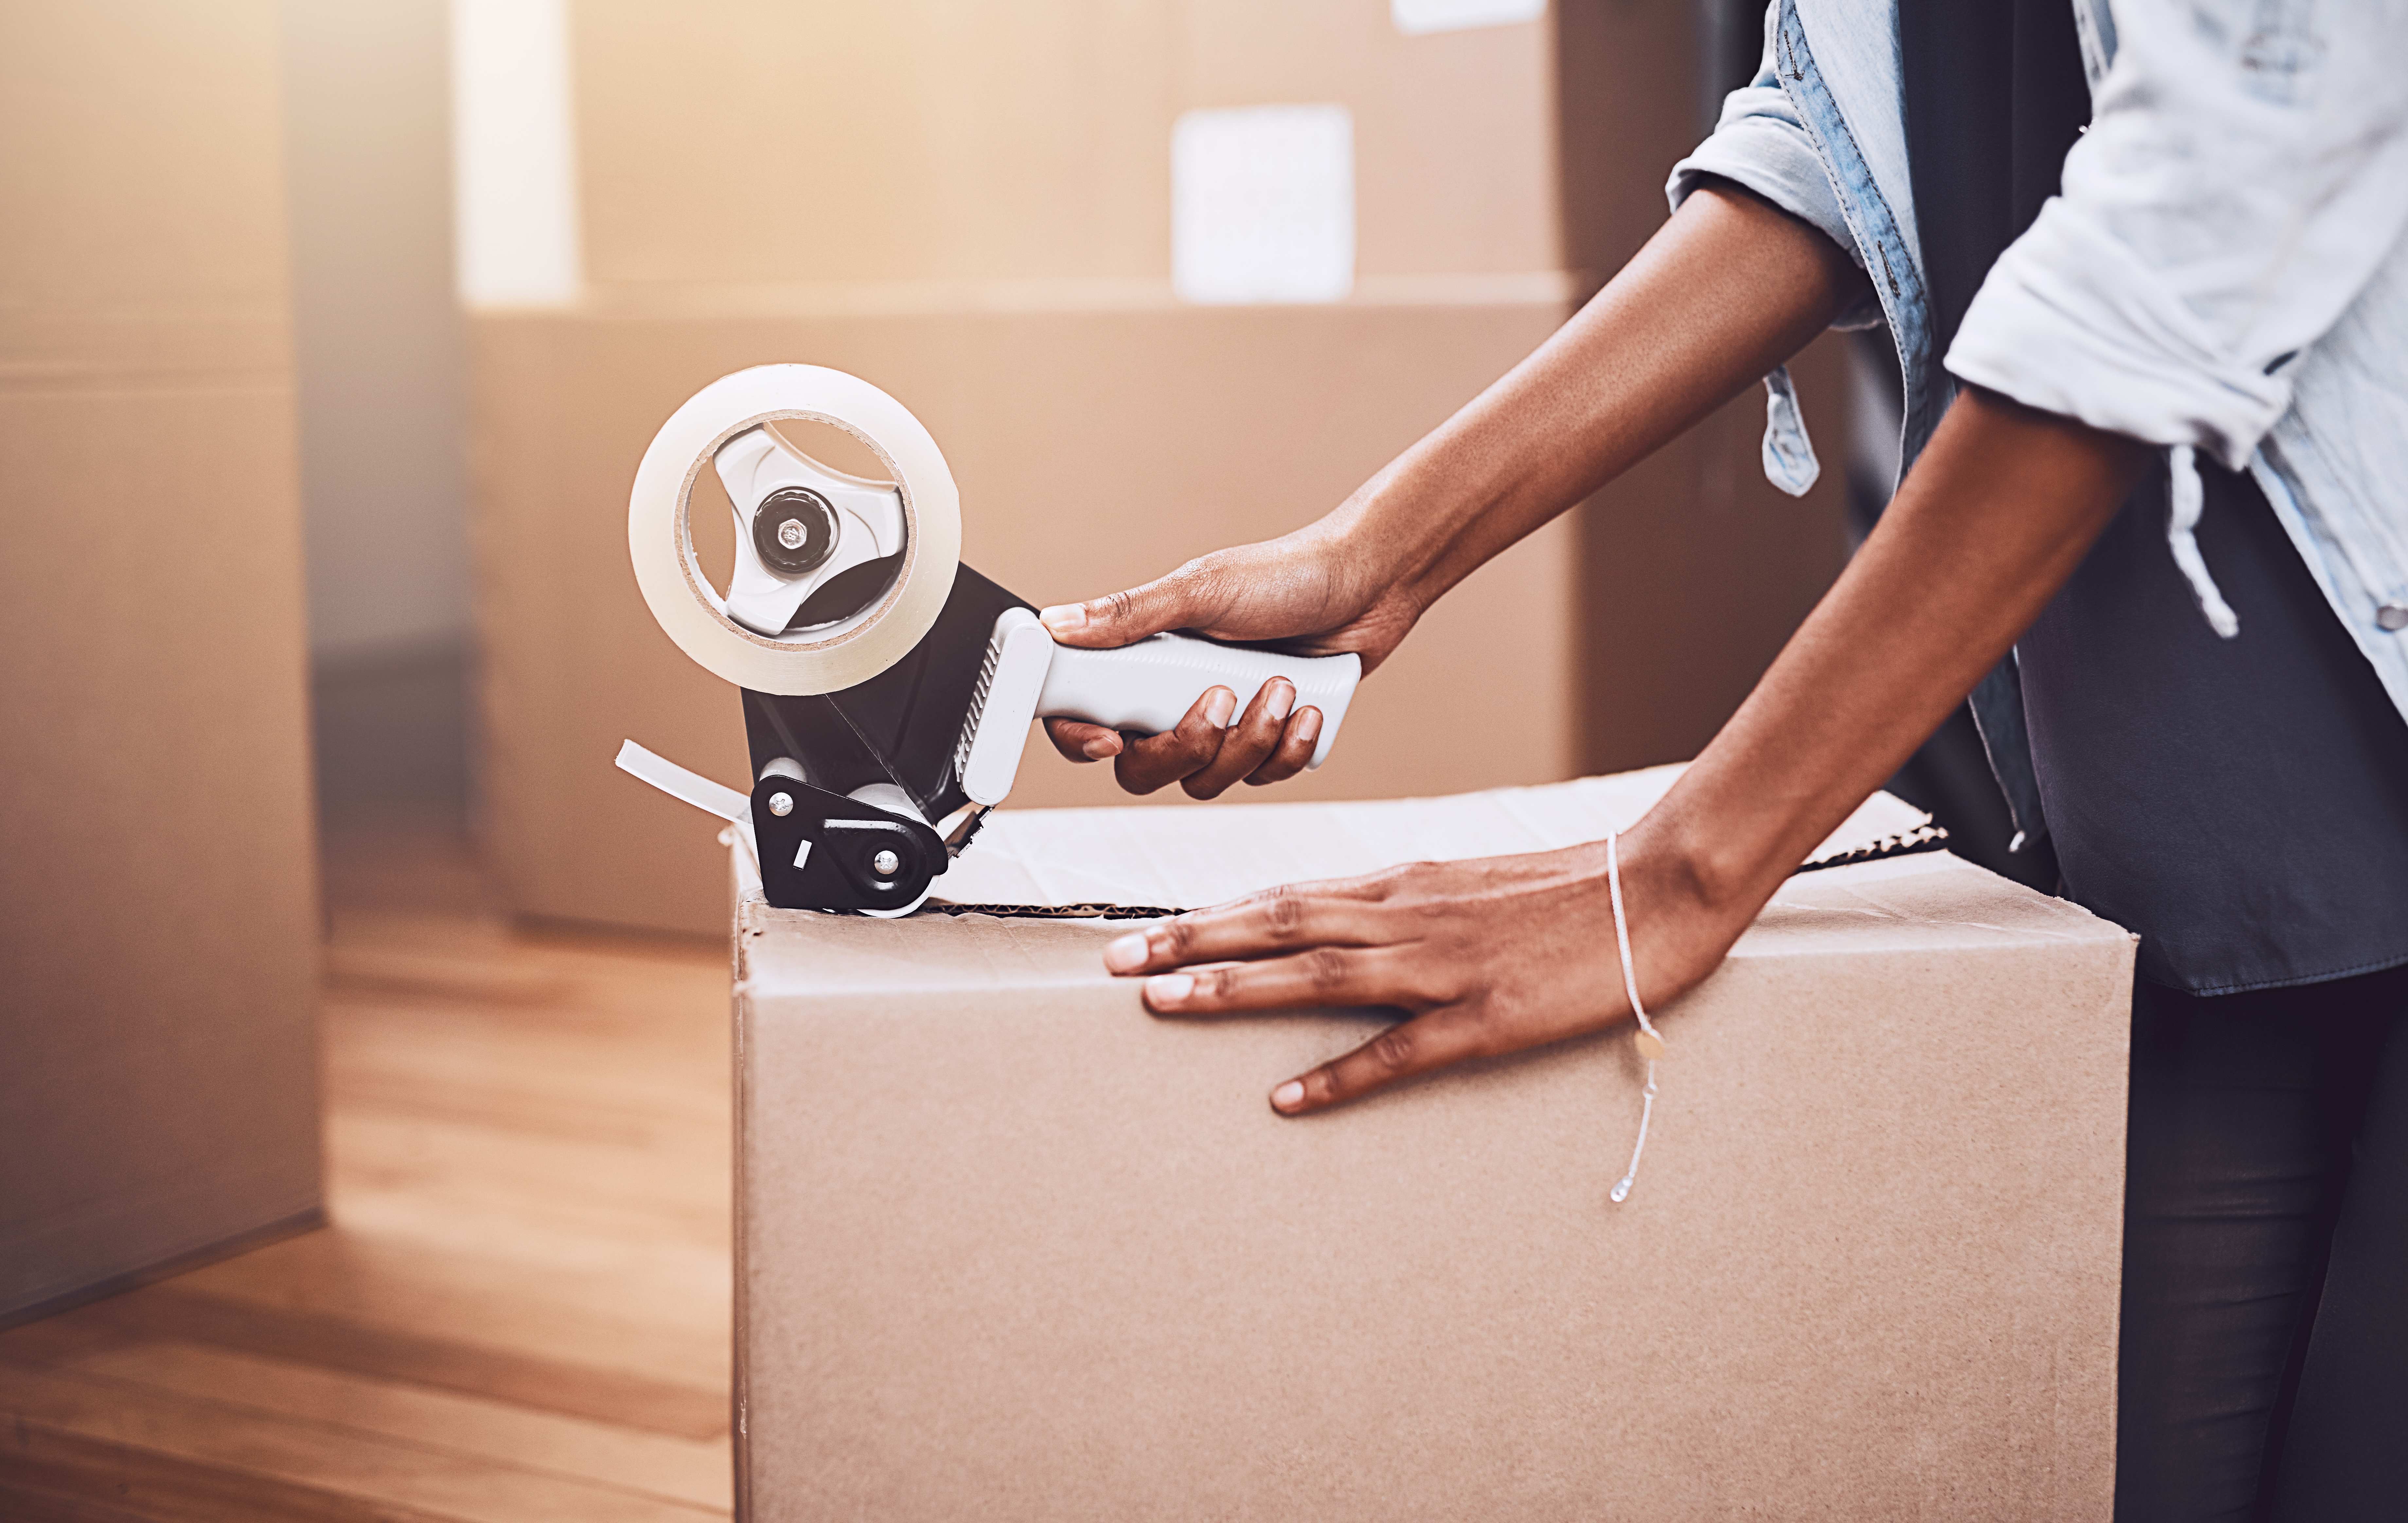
(1101, 747)
(1127, 954)
(1065, 619)
(1288, 1096)
(1282, 698)
(1221, 708)
(1168, 989)
(1307, 725)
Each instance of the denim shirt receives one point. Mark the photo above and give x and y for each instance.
(2226, 271)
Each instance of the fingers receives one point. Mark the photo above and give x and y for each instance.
(1147, 764)
(1205, 755)
(1325, 976)
(1188, 598)
(1267, 924)
(1329, 975)
(1083, 742)
(1414, 1046)
(1294, 748)
(1252, 744)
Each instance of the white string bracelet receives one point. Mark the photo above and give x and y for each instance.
(1649, 1042)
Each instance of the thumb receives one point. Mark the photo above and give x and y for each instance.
(1174, 602)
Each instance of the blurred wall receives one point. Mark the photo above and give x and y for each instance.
(380, 364)
(970, 206)
(158, 916)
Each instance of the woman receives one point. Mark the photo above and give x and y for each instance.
(2155, 522)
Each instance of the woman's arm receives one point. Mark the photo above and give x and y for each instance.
(1730, 288)
(1495, 956)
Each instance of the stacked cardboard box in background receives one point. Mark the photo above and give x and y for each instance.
(158, 914)
(971, 207)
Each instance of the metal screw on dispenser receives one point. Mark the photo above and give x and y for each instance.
(782, 805)
(2392, 617)
(796, 531)
(887, 864)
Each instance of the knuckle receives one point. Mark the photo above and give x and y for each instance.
(1117, 607)
(1284, 912)
(1218, 985)
(1326, 969)
(1393, 1051)
(1206, 587)
(1137, 771)
(1175, 940)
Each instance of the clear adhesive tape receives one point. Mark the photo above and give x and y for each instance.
(660, 536)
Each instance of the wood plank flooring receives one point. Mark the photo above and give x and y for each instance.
(519, 1310)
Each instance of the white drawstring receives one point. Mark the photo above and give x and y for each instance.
(2188, 498)
(1648, 1034)
(1789, 461)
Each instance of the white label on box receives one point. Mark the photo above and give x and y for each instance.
(514, 153)
(1415, 17)
(1261, 205)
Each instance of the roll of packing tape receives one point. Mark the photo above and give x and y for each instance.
(660, 535)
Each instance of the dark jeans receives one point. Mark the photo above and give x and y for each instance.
(2265, 1336)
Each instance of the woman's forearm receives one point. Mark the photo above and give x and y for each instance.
(1728, 289)
(1992, 520)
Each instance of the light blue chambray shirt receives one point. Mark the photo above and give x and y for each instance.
(2225, 272)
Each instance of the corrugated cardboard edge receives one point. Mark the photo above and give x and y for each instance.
(744, 894)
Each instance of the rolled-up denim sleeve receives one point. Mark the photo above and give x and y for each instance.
(2243, 178)
(1760, 143)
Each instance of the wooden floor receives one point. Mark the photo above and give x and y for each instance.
(521, 1309)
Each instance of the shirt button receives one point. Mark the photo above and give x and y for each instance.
(2392, 615)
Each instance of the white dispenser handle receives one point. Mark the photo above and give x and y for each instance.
(1150, 686)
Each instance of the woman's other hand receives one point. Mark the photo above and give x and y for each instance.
(1318, 592)
(1484, 956)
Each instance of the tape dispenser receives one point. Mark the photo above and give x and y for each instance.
(888, 689)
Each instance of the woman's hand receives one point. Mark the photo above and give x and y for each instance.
(1731, 287)
(1484, 956)
(1317, 593)
(1494, 955)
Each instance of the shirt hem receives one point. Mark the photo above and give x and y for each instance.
(2383, 965)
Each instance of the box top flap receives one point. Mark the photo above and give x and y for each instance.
(1185, 859)
(1182, 858)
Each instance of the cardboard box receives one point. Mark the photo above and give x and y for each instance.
(1009, 1246)
(728, 142)
(158, 884)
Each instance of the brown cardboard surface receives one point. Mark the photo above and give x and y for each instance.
(158, 911)
(1011, 1246)
(920, 141)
